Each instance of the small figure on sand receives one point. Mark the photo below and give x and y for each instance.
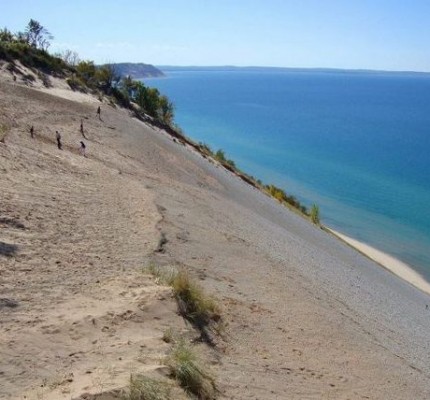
(82, 148)
(58, 137)
(82, 129)
(14, 78)
(32, 131)
(99, 112)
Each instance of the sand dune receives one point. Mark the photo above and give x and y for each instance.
(308, 316)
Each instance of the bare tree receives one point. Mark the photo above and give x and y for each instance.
(37, 35)
(70, 57)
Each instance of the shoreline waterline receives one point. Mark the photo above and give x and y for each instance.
(390, 263)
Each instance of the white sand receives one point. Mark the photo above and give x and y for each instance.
(68, 94)
(394, 265)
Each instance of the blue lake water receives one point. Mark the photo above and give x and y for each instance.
(357, 144)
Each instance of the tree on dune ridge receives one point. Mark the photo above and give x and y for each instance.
(37, 35)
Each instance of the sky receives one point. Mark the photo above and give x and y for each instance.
(350, 34)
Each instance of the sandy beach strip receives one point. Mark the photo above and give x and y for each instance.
(391, 263)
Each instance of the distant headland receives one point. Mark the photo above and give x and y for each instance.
(138, 70)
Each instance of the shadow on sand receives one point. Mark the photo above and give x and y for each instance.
(8, 250)
(11, 222)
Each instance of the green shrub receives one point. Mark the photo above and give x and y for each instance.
(187, 370)
(166, 110)
(231, 163)
(86, 71)
(281, 196)
(4, 53)
(32, 57)
(6, 35)
(315, 214)
(121, 97)
(220, 156)
(204, 148)
(76, 84)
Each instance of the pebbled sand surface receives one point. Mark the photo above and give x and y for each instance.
(397, 267)
(309, 317)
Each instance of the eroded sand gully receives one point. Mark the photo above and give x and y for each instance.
(308, 316)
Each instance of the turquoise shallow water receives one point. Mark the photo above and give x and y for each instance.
(357, 144)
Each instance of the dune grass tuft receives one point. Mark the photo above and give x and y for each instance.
(193, 302)
(163, 275)
(3, 132)
(169, 336)
(144, 388)
(191, 376)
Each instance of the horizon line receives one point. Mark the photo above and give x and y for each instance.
(322, 69)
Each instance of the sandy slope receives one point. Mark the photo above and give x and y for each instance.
(75, 235)
(308, 316)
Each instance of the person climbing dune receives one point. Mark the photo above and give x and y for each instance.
(82, 148)
(58, 137)
(82, 129)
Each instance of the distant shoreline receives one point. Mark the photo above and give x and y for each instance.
(232, 68)
(392, 264)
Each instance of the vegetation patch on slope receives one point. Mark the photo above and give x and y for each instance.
(193, 303)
